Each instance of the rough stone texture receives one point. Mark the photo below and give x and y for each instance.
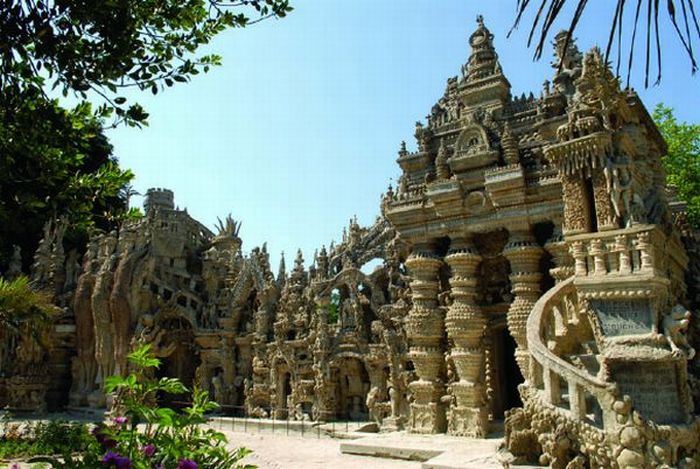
(531, 267)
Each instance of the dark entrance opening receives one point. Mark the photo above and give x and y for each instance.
(286, 391)
(507, 374)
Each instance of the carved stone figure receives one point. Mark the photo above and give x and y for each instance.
(675, 327)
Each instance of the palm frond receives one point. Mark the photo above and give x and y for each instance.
(681, 14)
(24, 310)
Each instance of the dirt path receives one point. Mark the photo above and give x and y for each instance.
(280, 451)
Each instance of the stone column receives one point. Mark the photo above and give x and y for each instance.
(466, 324)
(524, 254)
(425, 331)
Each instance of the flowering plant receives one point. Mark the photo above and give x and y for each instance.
(146, 436)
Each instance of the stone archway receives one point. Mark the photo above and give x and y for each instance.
(180, 358)
(352, 385)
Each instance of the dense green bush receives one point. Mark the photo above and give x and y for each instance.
(43, 438)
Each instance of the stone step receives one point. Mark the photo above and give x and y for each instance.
(462, 460)
(434, 451)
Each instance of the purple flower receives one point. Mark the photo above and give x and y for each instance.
(102, 438)
(121, 420)
(112, 459)
(186, 464)
(148, 450)
(14, 466)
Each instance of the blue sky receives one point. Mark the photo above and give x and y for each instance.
(298, 130)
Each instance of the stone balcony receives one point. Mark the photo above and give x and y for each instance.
(636, 262)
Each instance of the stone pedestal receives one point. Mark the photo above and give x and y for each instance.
(27, 394)
(97, 399)
(466, 324)
(561, 257)
(524, 254)
(425, 330)
(392, 424)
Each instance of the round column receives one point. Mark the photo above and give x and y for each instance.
(425, 330)
(523, 253)
(466, 325)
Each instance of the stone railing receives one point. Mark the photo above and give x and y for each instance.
(638, 250)
(550, 372)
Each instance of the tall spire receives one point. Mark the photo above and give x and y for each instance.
(483, 61)
(282, 271)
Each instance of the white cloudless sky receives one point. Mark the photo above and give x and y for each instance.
(298, 130)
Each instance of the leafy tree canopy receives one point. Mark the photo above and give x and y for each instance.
(80, 46)
(682, 163)
(56, 163)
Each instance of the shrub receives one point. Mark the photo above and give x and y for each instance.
(43, 438)
(146, 436)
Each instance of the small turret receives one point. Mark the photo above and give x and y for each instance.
(158, 199)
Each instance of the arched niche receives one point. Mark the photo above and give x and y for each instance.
(472, 150)
(472, 139)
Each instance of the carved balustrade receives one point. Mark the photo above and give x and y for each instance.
(643, 250)
(550, 371)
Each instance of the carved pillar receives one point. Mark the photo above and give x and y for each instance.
(524, 254)
(425, 330)
(576, 204)
(466, 324)
(607, 220)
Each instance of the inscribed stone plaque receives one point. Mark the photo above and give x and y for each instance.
(653, 388)
(623, 317)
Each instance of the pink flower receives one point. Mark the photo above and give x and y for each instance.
(121, 420)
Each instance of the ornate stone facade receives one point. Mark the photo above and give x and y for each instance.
(529, 268)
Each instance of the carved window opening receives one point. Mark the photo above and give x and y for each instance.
(543, 232)
(371, 265)
(589, 205)
(593, 412)
(563, 391)
(334, 306)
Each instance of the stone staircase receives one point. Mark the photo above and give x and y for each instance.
(603, 388)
